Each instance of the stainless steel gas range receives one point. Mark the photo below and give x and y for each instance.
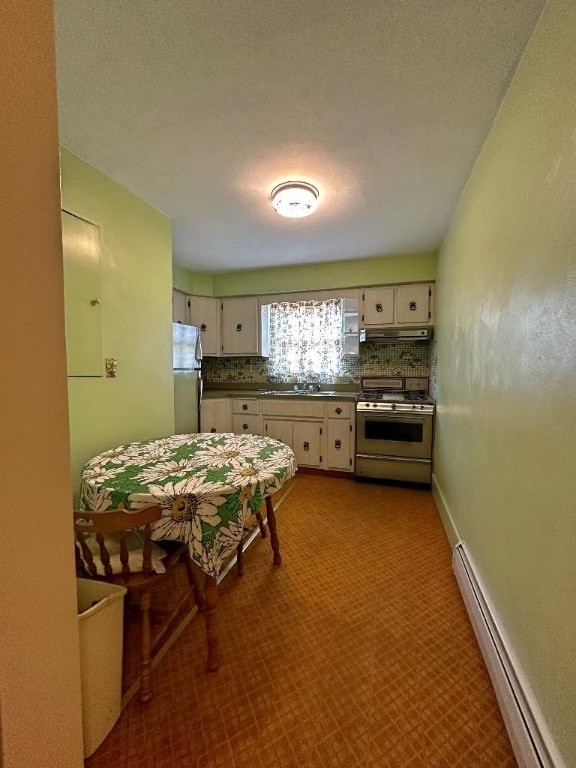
(394, 430)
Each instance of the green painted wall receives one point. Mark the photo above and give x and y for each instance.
(506, 330)
(194, 283)
(136, 245)
(410, 268)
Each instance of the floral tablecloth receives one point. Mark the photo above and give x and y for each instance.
(206, 484)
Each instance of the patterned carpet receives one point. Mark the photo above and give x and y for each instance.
(356, 652)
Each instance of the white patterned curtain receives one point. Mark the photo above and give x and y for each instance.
(306, 340)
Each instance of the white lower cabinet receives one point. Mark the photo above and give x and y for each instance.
(340, 436)
(339, 445)
(320, 433)
(307, 443)
(299, 424)
(304, 437)
(278, 429)
(215, 415)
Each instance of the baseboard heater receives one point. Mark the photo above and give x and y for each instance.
(528, 735)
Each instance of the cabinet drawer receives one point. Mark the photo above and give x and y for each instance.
(300, 409)
(246, 424)
(339, 410)
(246, 405)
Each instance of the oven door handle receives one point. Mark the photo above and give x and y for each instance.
(393, 416)
(393, 458)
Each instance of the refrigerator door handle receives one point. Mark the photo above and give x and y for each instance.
(198, 350)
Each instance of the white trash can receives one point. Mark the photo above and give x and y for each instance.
(101, 623)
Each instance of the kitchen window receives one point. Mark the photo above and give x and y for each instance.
(306, 340)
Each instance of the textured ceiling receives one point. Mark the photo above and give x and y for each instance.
(202, 107)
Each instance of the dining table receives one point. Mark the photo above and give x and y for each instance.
(207, 485)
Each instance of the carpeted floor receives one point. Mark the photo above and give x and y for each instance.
(355, 652)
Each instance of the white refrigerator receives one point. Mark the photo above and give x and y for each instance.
(187, 362)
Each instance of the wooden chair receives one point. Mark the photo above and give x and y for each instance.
(103, 552)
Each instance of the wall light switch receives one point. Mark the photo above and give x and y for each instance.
(111, 365)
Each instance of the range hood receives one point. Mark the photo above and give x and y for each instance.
(377, 334)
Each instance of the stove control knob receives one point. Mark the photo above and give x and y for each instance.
(421, 407)
(374, 405)
(393, 406)
(415, 406)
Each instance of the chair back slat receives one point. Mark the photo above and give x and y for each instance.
(118, 522)
(104, 554)
(124, 555)
(87, 555)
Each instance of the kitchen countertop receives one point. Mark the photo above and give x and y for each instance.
(277, 391)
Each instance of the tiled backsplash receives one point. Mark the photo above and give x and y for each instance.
(406, 358)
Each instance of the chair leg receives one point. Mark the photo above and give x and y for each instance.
(146, 647)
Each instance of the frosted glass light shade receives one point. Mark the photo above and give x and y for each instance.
(294, 199)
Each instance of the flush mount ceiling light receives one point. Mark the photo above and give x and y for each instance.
(294, 199)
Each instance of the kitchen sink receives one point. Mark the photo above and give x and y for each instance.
(299, 393)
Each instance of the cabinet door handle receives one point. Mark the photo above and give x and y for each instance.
(412, 306)
(378, 307)
(306, 446)
(203, 327)
(338, 444)
(239, 327)
(244, 426)
(338, 410)
(244, 406)
(213, 429)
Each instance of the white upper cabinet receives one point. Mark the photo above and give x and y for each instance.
(204, 312)
(378, 306)
(180, 308)
(244, 327)
(398, 305)
(414, 304)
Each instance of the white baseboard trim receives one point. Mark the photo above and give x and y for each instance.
(531, 741)
(450, 527)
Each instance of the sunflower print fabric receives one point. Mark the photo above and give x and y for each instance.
(206, 484)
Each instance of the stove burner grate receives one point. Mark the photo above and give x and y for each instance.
(393, 397)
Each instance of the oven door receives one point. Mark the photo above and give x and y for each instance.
(396, 435)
